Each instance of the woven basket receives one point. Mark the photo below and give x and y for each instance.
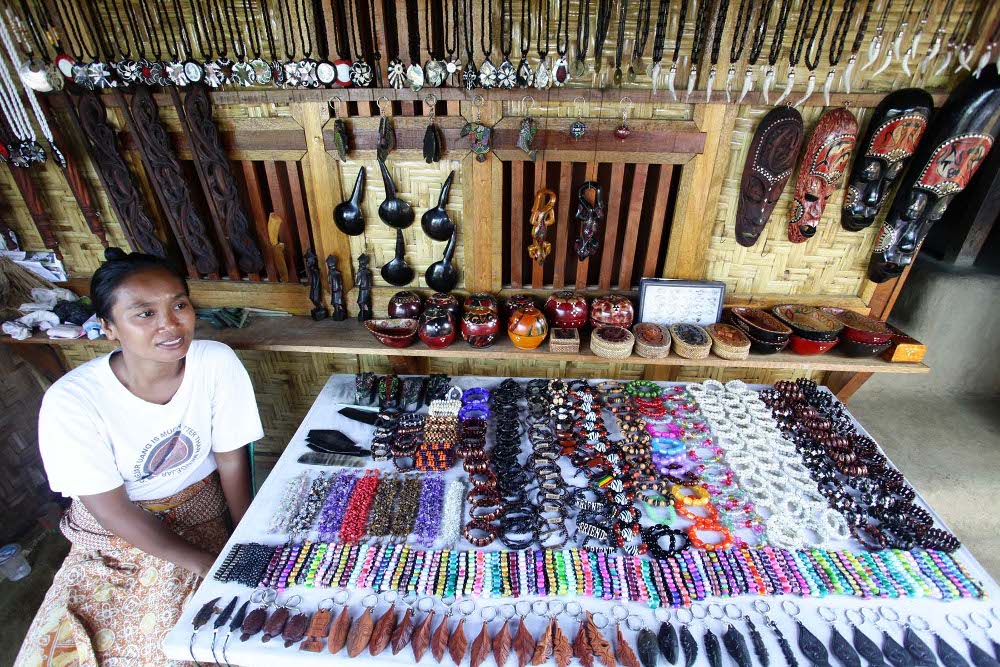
(729, 342)
(612, 349)
(688, 350)
(570, 344)
(651, 351)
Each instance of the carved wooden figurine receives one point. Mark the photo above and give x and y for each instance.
(590, 215)
(315, 293)
(543, 216)
(339, 313)
(364, 280)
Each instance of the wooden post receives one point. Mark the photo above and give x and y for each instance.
(482, 183)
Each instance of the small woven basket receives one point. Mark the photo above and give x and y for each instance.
(569, 344)
(729, 342)
(651, 351)
(612, 349)
(687, 350)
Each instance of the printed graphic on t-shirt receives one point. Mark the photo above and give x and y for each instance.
(169, 453)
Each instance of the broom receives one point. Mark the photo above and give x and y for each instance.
(16, 283)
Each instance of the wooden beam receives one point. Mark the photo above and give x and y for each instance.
(844, 383)
(482, 186)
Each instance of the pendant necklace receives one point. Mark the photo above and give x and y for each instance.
(40, 73)
(434, 71)
(542, 78)
(662, 13)
(307, 66)
(290, 66)
(194, 70)
(641, 37)
(396, 71)
(582, 38)
(470, 74)
(984, 59)
(814, 49)
(526, 75)
(215, 75)
(71, 62)
(235, 70)
(775, 50)
(911, 51)
(101, 71)
(451, 64)
(158, 67)
(487, 71)
(756, 46)
(125, 67)
(720, 25)
(739, 42)
(798, 43)
(173, 69)
(620, 40)
(837, 45)
(935, 47)
(26, 151)
(963, 46)
(360, 73)
(337, 71)
(897, 41)
(245, 70)
(672, 74)
(875, 47)
(699, 37)
(506, 74)
(268, 72)
(859, 37)
(414, 73)
(560, 70)
(953, 39)
(604, 11)
(150, 71)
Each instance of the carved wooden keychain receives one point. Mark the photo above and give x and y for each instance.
(502, 639)
(458, 642)
(318, 627)
(439, 640)
(599, 646)
(523, 643)
(253, 622)
(543, 216)
(482, 645)
(623, 652)
(420, 640)
(276, 622)
(403, 631)
(360, 634)
(385, 626)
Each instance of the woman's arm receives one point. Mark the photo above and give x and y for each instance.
(234, 473)
(119, 516)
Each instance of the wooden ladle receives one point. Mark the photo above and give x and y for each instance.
(347, 214)
(397, 272)
(394, 211)
(442, 276)
(435, 221)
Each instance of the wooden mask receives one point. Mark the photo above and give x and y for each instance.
(773, 153)
(827, 154)
(892, 136)
(956, 144)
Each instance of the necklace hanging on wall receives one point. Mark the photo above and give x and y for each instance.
(777, 40)
(875, 46)
(38, 72)
(604, 12)
(290, 66)
(659, 36)
(935, 48)
(837, 45)
(71, 62)
(620, 40)
(414, 72)
(672, 74)
(897, 40)
(360, 73)
(487, 71)
(965, 46)
(756, 46)
(338, 71)
(798, 45)
(953, 38)
(641, 37)
(739, 42)
(470, 74)
(242, 73)
(526, 75)
(125, 68)
(560, 70)
(100, 73)
(395, 70)
(859, 37)
(918, 33)
(307, 66)
(452, 65)
(194, 69)
(173, 69)
(268, 71)
(582, 38)
(435, 71)
(543, 78)
(225, 23)
(984, 60)
(506, 74)
(720, 25)
(814, 49)
(160, 73)
(215, 69)
(701, 22)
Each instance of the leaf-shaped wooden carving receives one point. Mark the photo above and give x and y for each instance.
(439, 641)
(600, 646)
(581, 647)
(561, 650)
(481, 646)
(421, 639)
(360, 634)
(382, 633)
(457, 643)
(401, 635)
(626, 656)
(338, 632)
(501, 644)
(524, 645)
(543, 649)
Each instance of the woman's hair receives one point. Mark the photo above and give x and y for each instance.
(117, 269)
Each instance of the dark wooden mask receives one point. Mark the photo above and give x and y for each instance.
(773, 154)
(892, 135)
(956, 143)
(823, 164)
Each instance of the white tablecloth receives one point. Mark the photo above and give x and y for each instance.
(339, 391)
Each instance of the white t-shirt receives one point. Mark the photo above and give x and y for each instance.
(95, 435)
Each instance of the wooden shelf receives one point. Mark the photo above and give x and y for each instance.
(301, 334)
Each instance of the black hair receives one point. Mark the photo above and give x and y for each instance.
(117, 269)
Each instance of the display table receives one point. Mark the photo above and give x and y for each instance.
(339, 391)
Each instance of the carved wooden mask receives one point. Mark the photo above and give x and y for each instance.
(824, 162)
(956, 144)
(773, 153)
(893, 133)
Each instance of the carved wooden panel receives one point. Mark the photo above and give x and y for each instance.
(36, 207)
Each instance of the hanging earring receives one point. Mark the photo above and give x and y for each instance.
(432, 139)
(386, 131)
(623, 130)
(529, 128)
(578, 128)
(339, 133)
(482, 136)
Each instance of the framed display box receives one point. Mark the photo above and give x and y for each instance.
(667, 301)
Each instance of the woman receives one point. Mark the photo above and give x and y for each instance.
(149, 442)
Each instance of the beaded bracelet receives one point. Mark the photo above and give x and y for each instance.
(355, 520)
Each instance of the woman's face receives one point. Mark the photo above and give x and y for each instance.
(152, 316)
